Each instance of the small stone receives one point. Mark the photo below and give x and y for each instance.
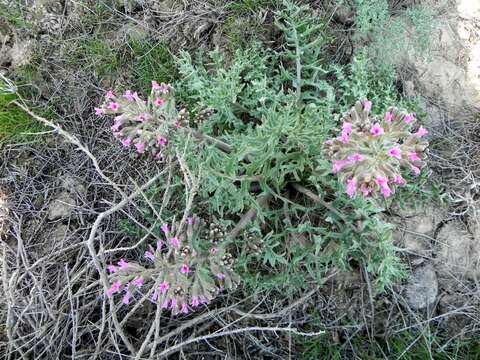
(458, 251)
(344, 15)
(456, 322)
(422, 287)
(61, 207)
(73, 185)
(58, 234)
(415, 231)
(21, 53)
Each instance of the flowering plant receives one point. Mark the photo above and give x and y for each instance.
(370, 153)
(144, 124)
(183, 274)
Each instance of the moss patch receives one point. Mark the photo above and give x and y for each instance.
(14, 122)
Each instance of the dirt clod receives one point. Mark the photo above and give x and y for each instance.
(422, 287)
(458, 253)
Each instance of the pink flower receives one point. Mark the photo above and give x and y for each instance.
(328, 142)
(184, 269)
(126, 298)
(344, 138)
(122, 264)
(337, 165)
(155, 296)
(386, 191)
(113, 106)
(384, 188)
(395, 153)
(408, 118)
(195, 302)
(175, 242)
(399, 180)
(347, 127)
(129, 96)
(161, 141)
(138, 282)
(213, 250)
(412, 156)
(220, 276)
(165, 304)
(140, 147)
(355, 157)
(421, 132)
(367, 105)
(159, 246)
(415, 170)
(127, 142)
(149, 255)
(159, 102)
(163, 287)
(116, 126)
(99, 111)
(155, 85)
(173, 303)
(351, 187)
(165, 228)
(365, 190)
(388, 117)
(184, 308)
(142, 118)
(377, 130)
(381, 181)
(203, 300)
(111, 268)
(109, 95)
(114, 288)
(189, 220)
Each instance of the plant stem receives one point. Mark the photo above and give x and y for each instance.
(262, 201)
(318, 200)
(298, 65)
(211, 140)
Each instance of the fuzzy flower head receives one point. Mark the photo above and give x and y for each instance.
(379, 150)
(180, 279)
(147, 123)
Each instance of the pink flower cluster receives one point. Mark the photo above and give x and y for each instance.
(143, 124)
(371, 153)
(177, 276)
